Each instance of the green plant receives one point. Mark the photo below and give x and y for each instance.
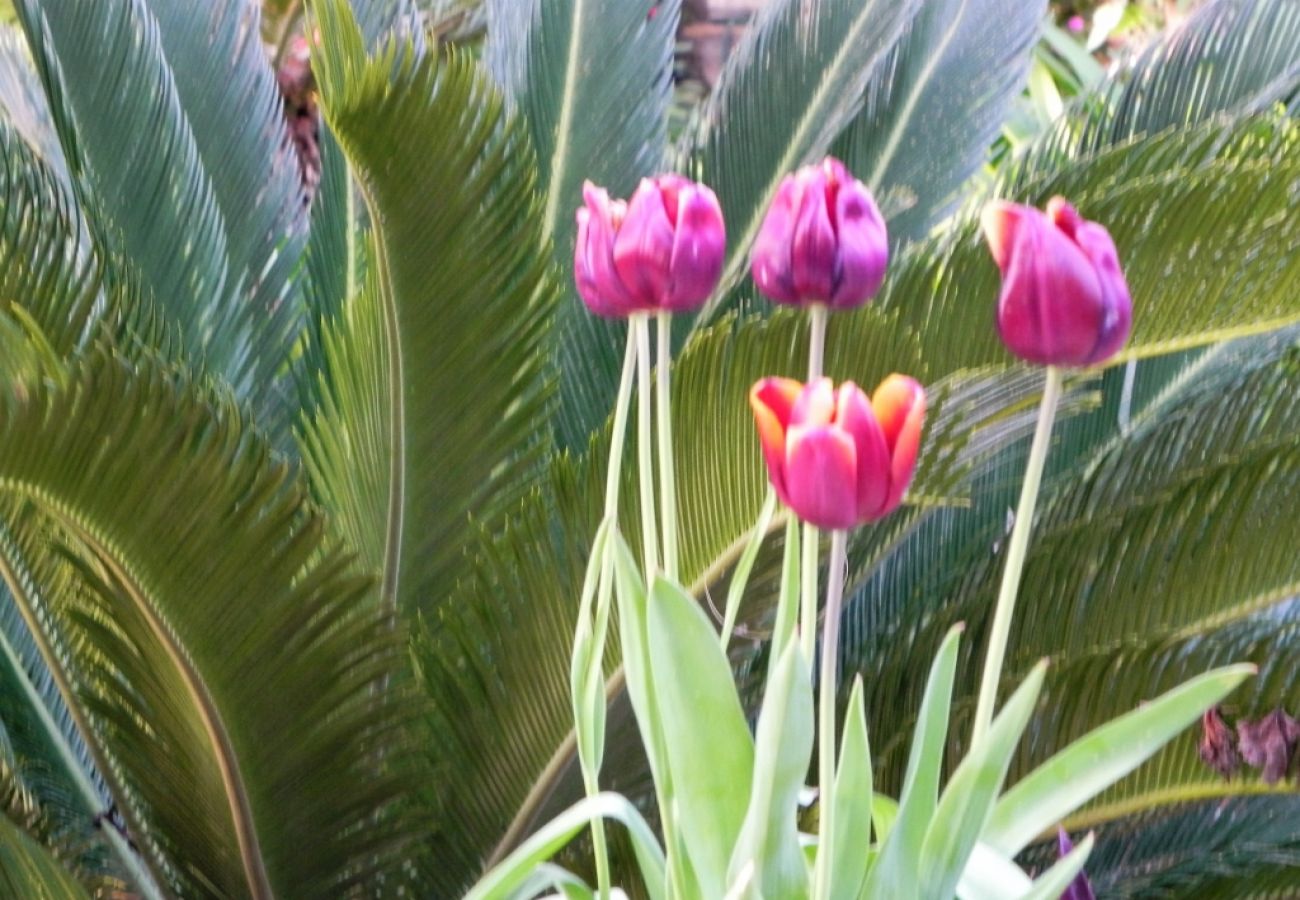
(297, 501)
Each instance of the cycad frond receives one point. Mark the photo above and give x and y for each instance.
(444, 351)
(592, 81)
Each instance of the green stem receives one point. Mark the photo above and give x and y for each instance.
(818, 314)
(826, 708)
(664, 414)
(645, 461)
(808, 595)
(599, 846)
(614, 472)
(1006, 605)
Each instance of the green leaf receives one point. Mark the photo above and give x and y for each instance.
(1100, 758)
(189, 540)
(709, 749)
(959, 820)
(27, 870)
(894, 871)
(183, 168)
(793, 85)
(923, 132)
(457, 291)
(991, 876)
(769, 837)
(592, 81)
(854, 799)
(1053, 883)
(515, 870)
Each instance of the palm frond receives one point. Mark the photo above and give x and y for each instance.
(28, 870)
(23, 99)
(456, 306)
(209, 603)
(926, 129)
(592, 81)
(184, 171)
(806, 72)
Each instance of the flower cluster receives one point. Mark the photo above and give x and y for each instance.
(835, 457)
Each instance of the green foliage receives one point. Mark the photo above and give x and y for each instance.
(190, 642)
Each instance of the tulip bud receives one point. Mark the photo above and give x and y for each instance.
(1064, 300)
(662, 251)
(1080, 888)
(834, 457)
(823, 240)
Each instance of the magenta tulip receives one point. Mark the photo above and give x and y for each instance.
(822, 241)
(1064, 300)
(663, 250)
(834, 457)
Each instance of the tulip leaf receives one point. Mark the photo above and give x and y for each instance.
(894, 872)
(1097, 760)
(783, 739)
(971, 792)
(989, 875)
(708, 748)
(456, 291)
(853, 805)
(592, 81)
(515, 871)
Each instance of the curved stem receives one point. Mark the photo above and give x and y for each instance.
(740, 577)
(591, 768)
(826, 683)
(645, 458)
(621, 404)
(664, 415)
(1016, 556)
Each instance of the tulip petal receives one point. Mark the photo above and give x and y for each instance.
(812, 251)
(1097, 244)
(769, 261)
(1051, 305)
(773, 400)
(853, 414)
(821, 471)
(816, 404)
(1001, 222)
(863, 246)
(899, 407)
(598, 282)
(643, 247)
(699, 247)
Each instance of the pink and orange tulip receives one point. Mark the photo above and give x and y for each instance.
(1064, 300)
(663, 250)
(836, 458)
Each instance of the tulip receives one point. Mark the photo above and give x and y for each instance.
(662, 251)
(834, 457)
(1080, 888)
(823, 240)
(1064, 301)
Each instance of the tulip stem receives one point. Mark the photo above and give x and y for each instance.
(613, 477)
(1016, 556)
(808, 595)
(645, 455)
(818, 314)
(664, 414)
(826, 684)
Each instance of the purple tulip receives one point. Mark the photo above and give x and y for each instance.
(1064, 301)
(661, 251)
(822, 241)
